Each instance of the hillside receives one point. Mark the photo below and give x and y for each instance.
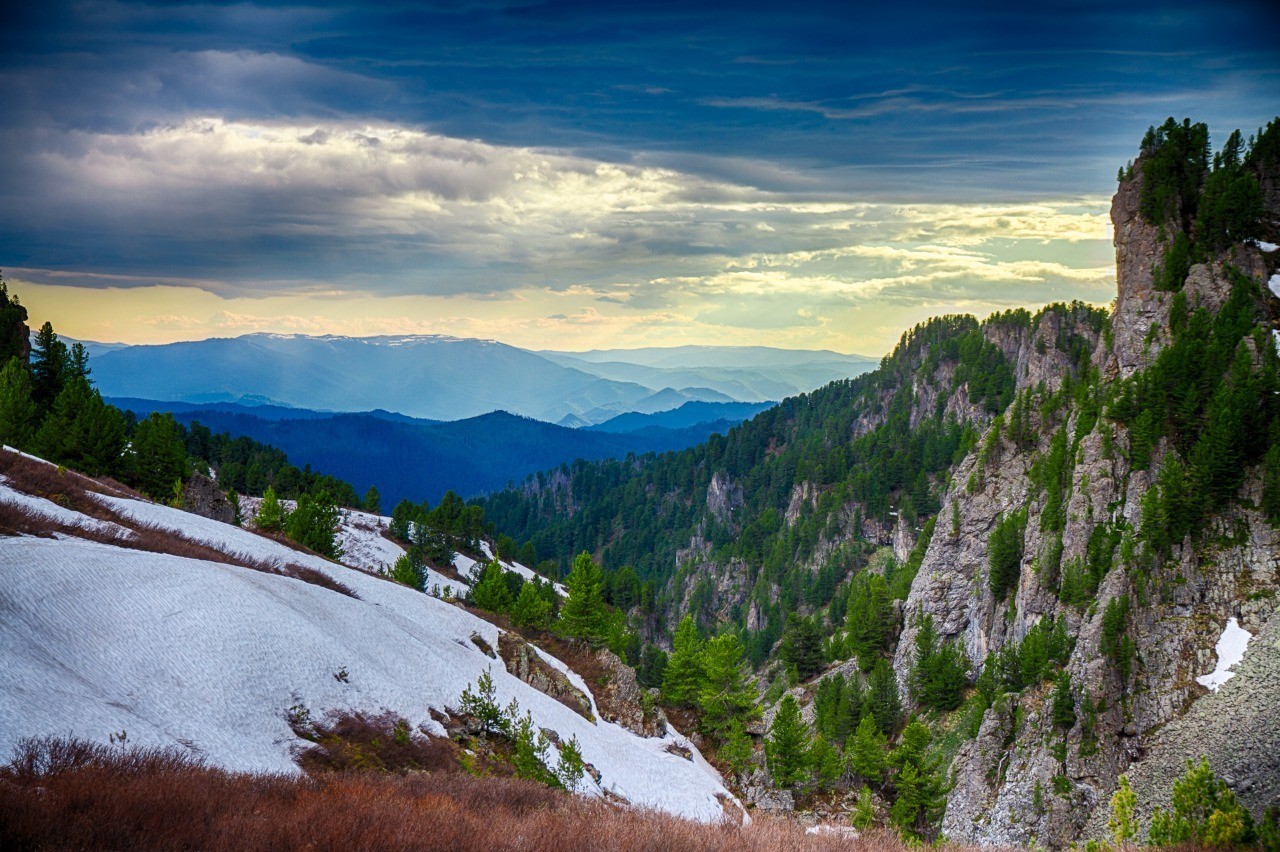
(1041, 524)
(223, 643)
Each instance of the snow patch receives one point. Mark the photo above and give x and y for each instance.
(1230, 650)
(58, 514)
(1273, 284)
(1266, 246)
(98, 639)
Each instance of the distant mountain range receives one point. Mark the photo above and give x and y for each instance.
(448, 378)
(422, 459)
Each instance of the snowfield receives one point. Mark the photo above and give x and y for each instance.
(99, 640)
(1230, 651)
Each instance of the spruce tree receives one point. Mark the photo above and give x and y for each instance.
(372, 501)
(315, 523)
(271, 514)
(407, 570)
(802, 645)
(531, 609)
(49, 367)
(682, 679)
(1064, 705)
(865, 752)
(787, 746)
(583, 614)
(826, 762)
(725, 696)
(490, 590)
(17, 408)
(83, 432)
(921, 789)
(652, 668)
(159, 456)
(882, 698)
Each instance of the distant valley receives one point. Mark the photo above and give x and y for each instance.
(422, 459)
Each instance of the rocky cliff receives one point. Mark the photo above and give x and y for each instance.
(1022, 780)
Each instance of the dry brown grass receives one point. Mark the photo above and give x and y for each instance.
(74, 491)
(59, 795)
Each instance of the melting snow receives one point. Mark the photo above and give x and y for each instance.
(97, 640)
(1265, 246)
(1230, 650)
(1273, 283)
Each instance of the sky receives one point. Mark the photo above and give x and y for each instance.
(575, 175)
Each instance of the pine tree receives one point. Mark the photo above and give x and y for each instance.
(682, 679)
(315, 523)
(583, 614)
(866, 752)
(17, 408)
(653, 667)
(408, 570)
(735, 749)
(1122, 824)
(787, 746)
(725, 696)
(372, 501)
(921, 790)
(482, 704)
(490, 590)
(531, 609)
(864, 814)
(49, 367)
(827, 765)
(159, 456)
(1064, 705)
(802, 646)
(1204, 812)
(83, 432)
(271, 514)
(885, 705)
(571, 768)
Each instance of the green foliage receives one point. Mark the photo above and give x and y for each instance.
(1271, 484)
(864, 814)
(583, 613)
(571, 768)
(921, 789)
(482, 705)
(1230, 208)
(490, 590)
(1123, 823)
(315, 523)
(787, 746)
(1172, 271)
(1064, 703)
(372, 501)
(735, 748)
(531, 751)
(865, 752)
(271, 514)
(18, 414)
(938, 673)
(828, 766)
(1174, 159)
(50, 367)
(532, 608)
(409, 571)
(683, 676)
(802, 645)
(726, 696)
(83, 432)
(1115, 643)
(653, 667)
(869, 619)
(1204, 812)
(158, 455)
(837, 706)
(1005, 548)
(882, 697)
(1018, 665)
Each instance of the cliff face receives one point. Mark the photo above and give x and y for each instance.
(1015, 783)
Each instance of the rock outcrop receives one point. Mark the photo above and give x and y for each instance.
(524, 661)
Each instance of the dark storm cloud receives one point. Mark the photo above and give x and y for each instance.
(788, 103)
